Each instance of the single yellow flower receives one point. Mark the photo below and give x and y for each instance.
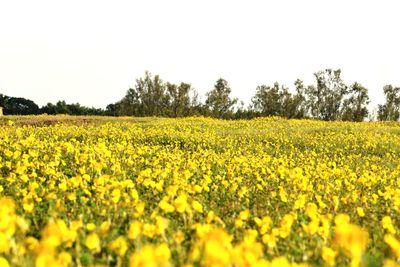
(4, 243)
(3, 262)
(329, 255)
(90, 227)
(181, 203)
(119, 245)
(393, 243)
(115, 195)
(92, 242)
(28, 207)
(134, 230)
(165, 206)
(64, 259)
(197, 206)
(150, 255)
(360, 212)
(388, 225)
(352, 238)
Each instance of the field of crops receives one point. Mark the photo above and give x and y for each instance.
(198, 192)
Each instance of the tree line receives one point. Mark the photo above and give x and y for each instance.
(23, 106)
(328, 98)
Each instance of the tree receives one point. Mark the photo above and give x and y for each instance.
(153, 97)
(62, 107)
(267, 100)
(196, 107)
(111, 110)
(3, 100)
(77, 109)
(179, 99)
(147, 98)
(355, 106)
(219, 102)
(390, 111)
(325, 99)
(299, 100)
(151, 92)
(130, 104)
(277, 101)
(18, 106)
(49, 109)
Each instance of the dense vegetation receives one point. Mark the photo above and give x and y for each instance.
(22, 106)
(329, 98)
(198, 192)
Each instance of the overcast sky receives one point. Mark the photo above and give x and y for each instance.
(91, 52)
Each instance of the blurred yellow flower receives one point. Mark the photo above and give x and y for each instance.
(360, 212)
(3, 262)
(393, 243)
(151, 255)
(180, 203)
(178, 237)
(134, 230)
(92, 242)
(387, 225)
(197, 206)
(28, 207)
(165, 206)
(352, 239)
(4, 243)
(280, 262)
(115, 195)
(329, 255)
(90, 227)
(104, 227)
(64, 259)
(119, 245)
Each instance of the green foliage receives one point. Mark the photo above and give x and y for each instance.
(355, 105)
(328, 99)
(147, 98)
(219, 102)
(325, 98)
(61, 107)
(153, 97)
(18, 105)
(179, 99)
(268, 100)
(277, 101)
(390, 111)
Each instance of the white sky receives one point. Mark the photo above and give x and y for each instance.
(92, 51)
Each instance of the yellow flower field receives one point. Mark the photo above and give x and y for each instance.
(198, 192)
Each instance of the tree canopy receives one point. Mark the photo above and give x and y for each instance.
(328, 98)
(219, 102)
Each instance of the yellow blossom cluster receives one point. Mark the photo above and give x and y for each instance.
(198, 192)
